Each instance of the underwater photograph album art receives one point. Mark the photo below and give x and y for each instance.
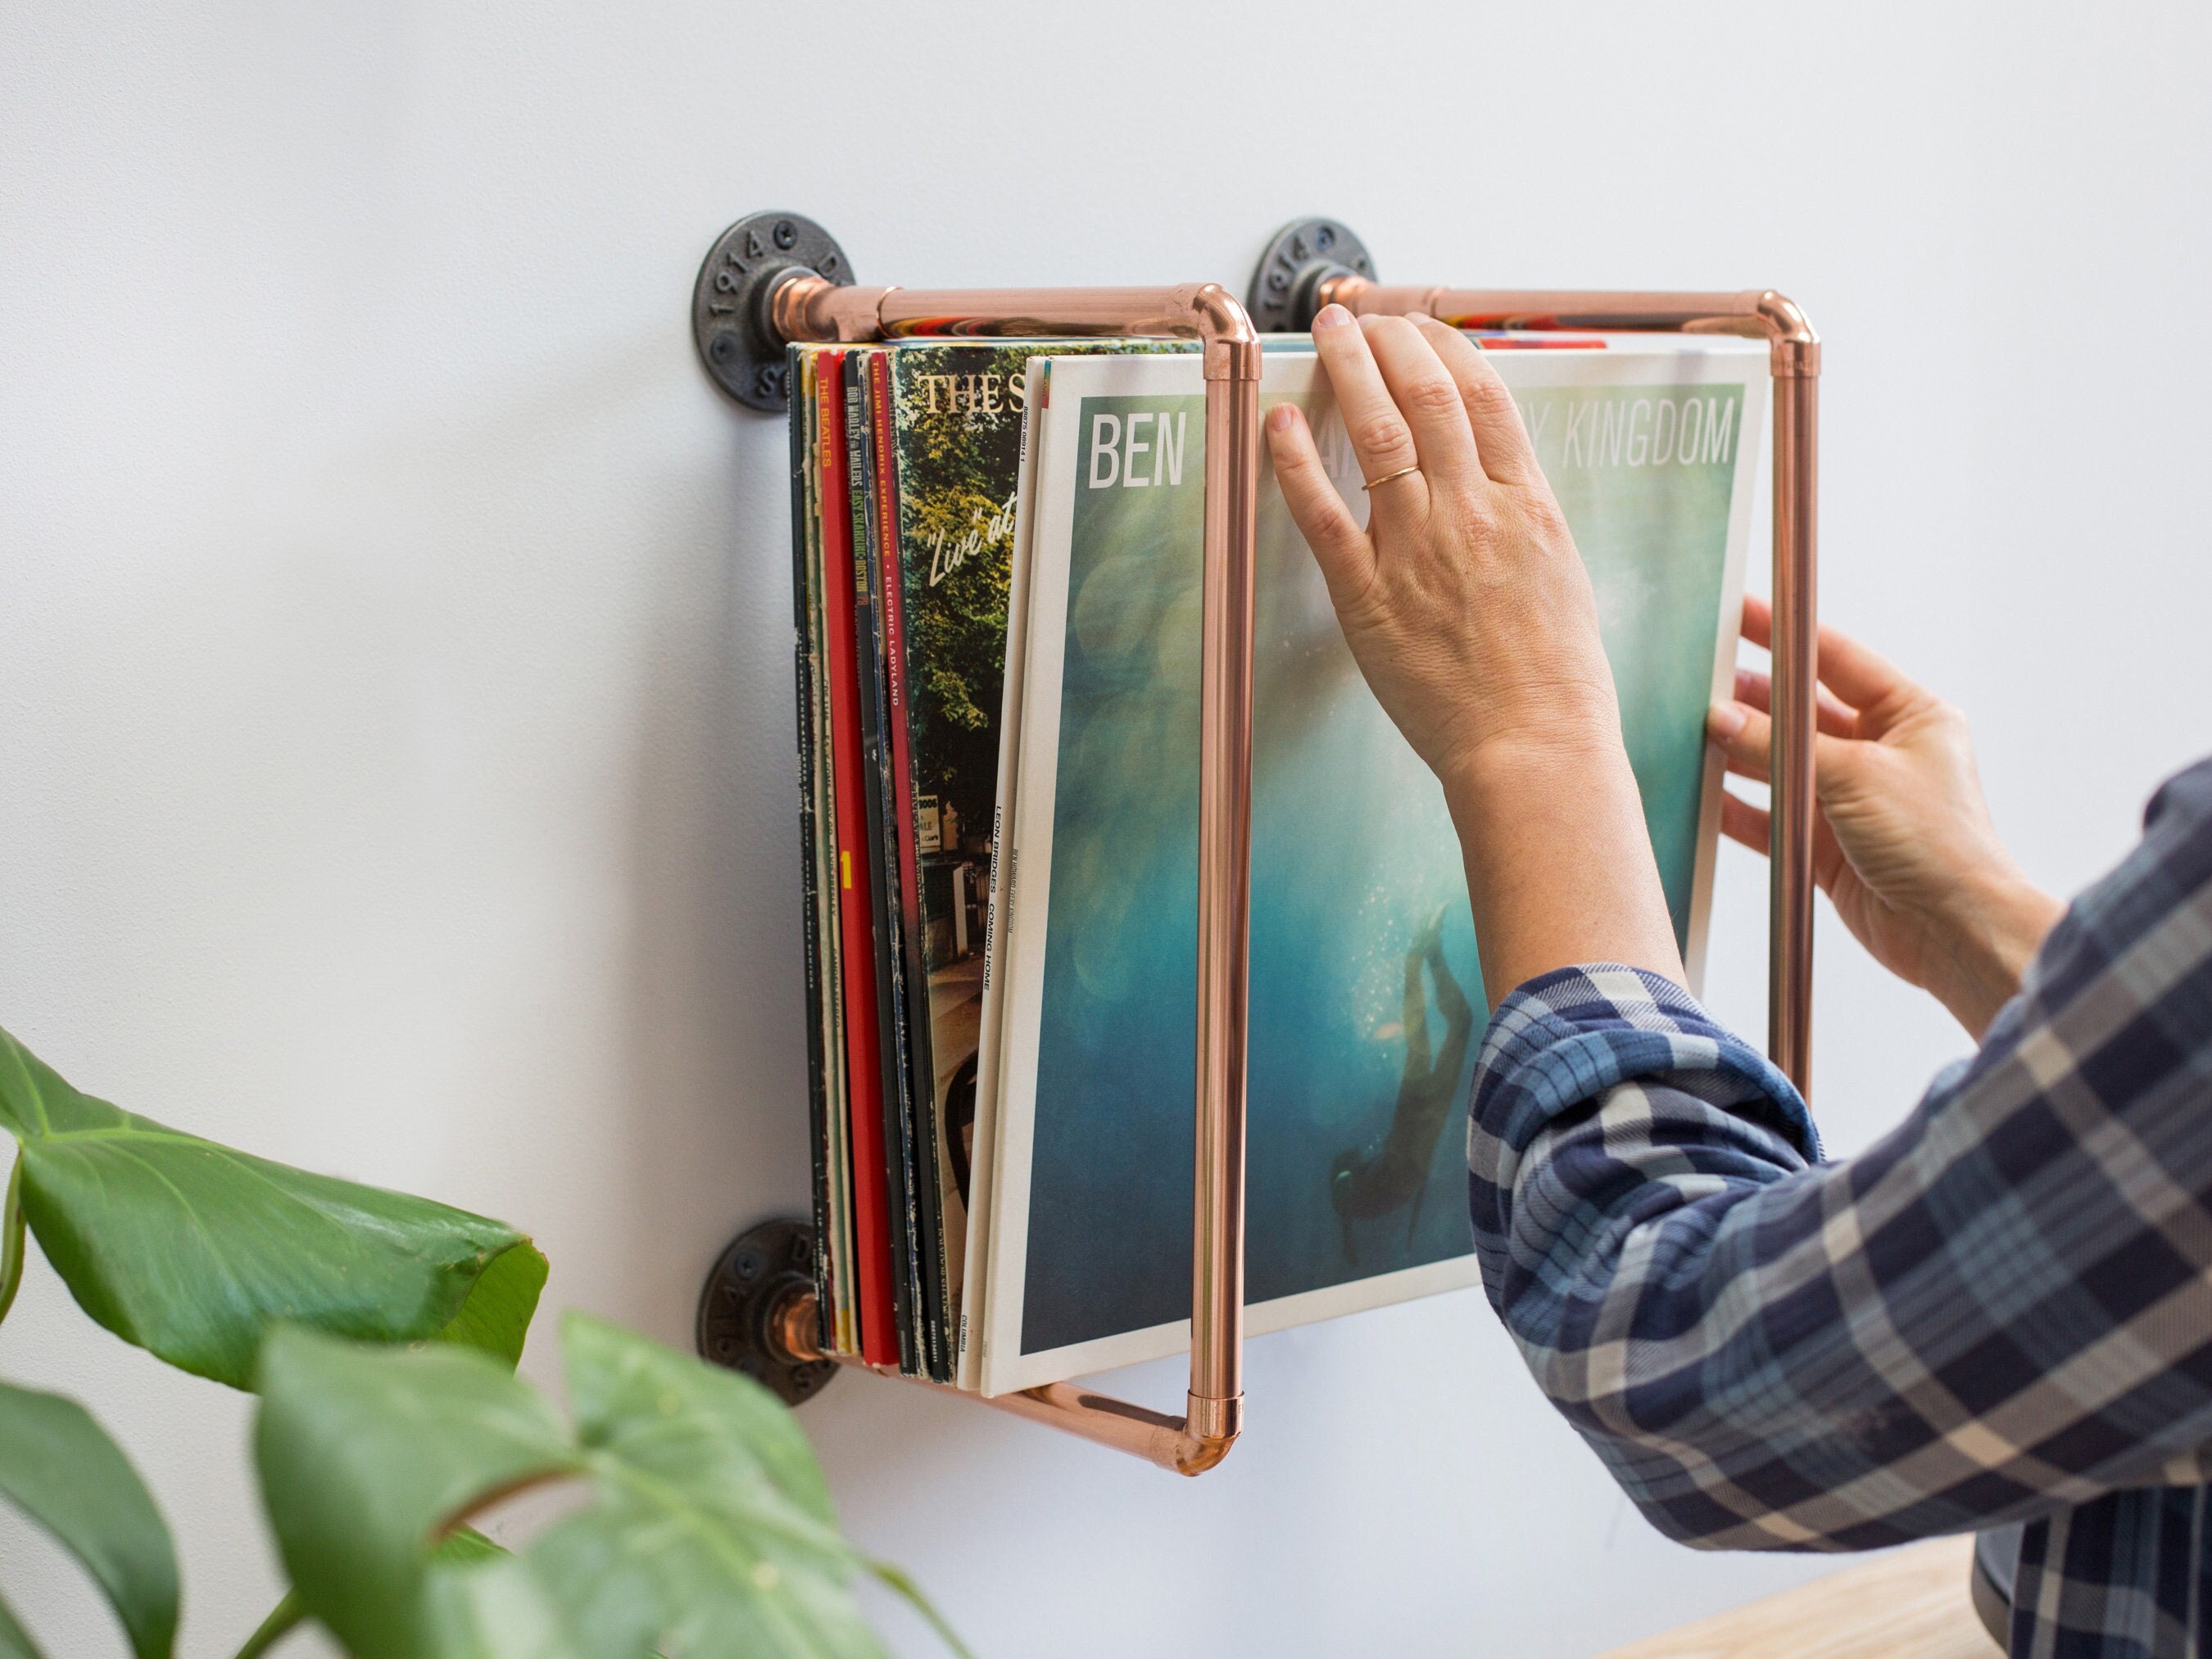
(1367, 1005)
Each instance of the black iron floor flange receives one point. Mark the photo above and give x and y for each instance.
(730, 301)
(763, 1265)
(1282, 299)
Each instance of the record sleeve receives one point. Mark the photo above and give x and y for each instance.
(825, 1034)
(1366, 1000)
(877, 790)
(902, 854)
(978, 1131)
(952, 422)
(845, 591)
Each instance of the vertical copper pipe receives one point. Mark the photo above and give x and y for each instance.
(1224, 896)
(1796, 668)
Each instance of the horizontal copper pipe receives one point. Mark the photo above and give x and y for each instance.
(1755, 313)
(807, 306)
(1794, 361)
(1187, 1445)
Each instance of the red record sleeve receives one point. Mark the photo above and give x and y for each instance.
(856, 919)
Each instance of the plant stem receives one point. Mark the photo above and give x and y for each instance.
(282, 1619)
(892, 1578)
(11, 1236)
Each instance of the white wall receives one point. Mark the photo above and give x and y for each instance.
(395, 723)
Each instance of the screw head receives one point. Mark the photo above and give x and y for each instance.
(1324, 238)
(786, 233)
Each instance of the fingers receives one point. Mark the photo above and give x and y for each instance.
(1381, 439)
(1743, 735)
(1759, 621)
(1346, 557)
(1753, 827)
(1428, 396)
(1755, 691)
(1859, 677)
(1744, 823)
(1499, 438)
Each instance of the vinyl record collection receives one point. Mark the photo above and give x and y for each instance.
(996, 547)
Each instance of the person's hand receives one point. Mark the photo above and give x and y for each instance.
(1464, 600)
(1469, 612)
(1902, 845)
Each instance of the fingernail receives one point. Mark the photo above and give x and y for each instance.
(1724, 720)
(1332, 316)
(1280, 416)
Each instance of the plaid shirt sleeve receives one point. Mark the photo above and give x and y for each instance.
(2003, 1311)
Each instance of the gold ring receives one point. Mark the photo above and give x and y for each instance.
(1387, 476)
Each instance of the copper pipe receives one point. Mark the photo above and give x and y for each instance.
(807, 307)
(1794, 361)
(1224, 901)
(1188, 1445)
(1796, 664)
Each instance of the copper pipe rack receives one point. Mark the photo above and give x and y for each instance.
(776, 278)
(1312, 262)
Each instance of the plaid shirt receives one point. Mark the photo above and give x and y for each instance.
(2002, 1312)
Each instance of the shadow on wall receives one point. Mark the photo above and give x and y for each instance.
(715, 1095)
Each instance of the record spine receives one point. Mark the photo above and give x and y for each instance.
(918, 1048)
(846, 584)
(805, 676)
(882, 867)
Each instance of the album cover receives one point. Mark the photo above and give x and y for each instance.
(1366, 999)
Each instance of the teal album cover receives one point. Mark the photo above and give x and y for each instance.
(1367, 1003)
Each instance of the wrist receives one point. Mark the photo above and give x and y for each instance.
(1559, 861)
(1998, 922)
(1570, 744)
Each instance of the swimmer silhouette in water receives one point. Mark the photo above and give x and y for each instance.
(1366, 1184)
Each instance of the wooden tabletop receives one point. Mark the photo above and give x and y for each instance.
(1908, 1604)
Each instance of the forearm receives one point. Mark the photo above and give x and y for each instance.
(1772, 1355)
(1559, 868)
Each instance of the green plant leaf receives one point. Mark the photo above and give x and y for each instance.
(11, 1237)
(496, 1316)
(367, 1455)
(709, 1532)
(61, 1469)
(713, 1534)
(191, 1250)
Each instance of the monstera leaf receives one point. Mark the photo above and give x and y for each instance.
(192, 1251)
(60, 1469)
(707, 1534)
